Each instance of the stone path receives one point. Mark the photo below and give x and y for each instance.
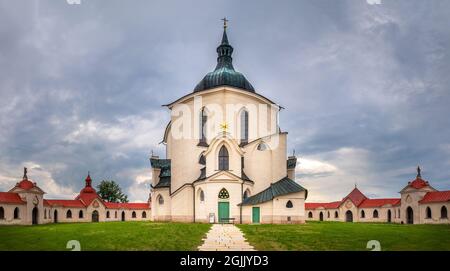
(225, 237)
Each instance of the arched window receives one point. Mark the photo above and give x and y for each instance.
(244, 127)
(144, 214)
(398, 213)
(223, 158)
(444, 212)
(223, 194)
(107, 214)
(133, 214)
(246, 194)
(289, 204)
(2, 213)
(363, 214)
(16, 213)
(428, 213)
(115, 214)
(160, 200)
(375, 214)
(336, 214)
(328, 214)
(80, 214)
(201, 196)
(69, 214)
(262, 146)
(310, 215)
(45, 213)
(203, 127)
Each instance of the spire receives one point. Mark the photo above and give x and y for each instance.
(224, 36)
(224, 74)
(88, 180)
(224, 51)
(418, 172)
(25, 177)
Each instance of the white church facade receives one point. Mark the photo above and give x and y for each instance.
(226, 157)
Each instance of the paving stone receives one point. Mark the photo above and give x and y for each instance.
(225, 237)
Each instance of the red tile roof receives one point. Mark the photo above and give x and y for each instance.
(370, 203)
(437, 196)
(326, 205)
(356, 196)
(25, 184)
(66, 203)
(418, 183)
(313, 205)
(333, 205)
(87, 198)
(8, 197)
(114, 205)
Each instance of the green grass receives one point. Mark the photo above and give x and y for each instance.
(104, 236)
(347, 236)
(188, 236)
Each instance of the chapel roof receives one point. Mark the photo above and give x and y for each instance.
(224, 74)
(25, 184)
(418, 183)
(356, 196)
(164, 174)
(282, 187)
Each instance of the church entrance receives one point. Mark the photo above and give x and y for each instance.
(348, 216)
(34, 218)
(255, 215)
(389, 216)
(123, 216)
(321, 216)
(409, 215)
(55, 216)
(224, 211)
(95, 216)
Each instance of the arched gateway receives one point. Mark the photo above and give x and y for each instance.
(409, 215)
(348, 216)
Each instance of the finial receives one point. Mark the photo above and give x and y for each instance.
(224, 22)
(418, 172)
(293, 152)
(356, 185)
(152, 153)
(25, 170)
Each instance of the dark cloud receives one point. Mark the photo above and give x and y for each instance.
(365, 86)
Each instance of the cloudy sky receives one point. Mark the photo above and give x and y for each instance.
(365, 87)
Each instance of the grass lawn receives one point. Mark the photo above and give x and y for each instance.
(347, 236)
(104, 236)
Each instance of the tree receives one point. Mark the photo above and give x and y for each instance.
(110, 191)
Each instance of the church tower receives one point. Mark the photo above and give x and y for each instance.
(226, 157)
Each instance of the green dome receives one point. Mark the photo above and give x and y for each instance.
(224, 73)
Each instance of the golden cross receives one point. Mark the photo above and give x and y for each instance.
(224, 126)
(224, 22)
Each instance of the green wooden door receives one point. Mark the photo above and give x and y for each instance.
(224, 210)
(255, 215)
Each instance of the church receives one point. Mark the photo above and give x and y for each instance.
(419, 203)
(226, 156)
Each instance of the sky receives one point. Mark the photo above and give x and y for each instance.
(365, 87)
